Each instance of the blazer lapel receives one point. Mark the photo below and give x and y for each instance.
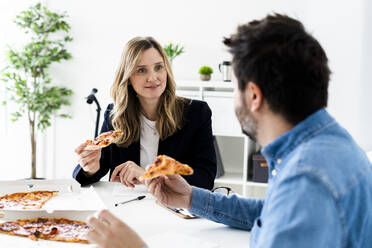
(168, 146)
(133, 152)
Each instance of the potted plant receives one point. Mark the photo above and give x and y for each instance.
(205, 73)
(173, 51)
(26, 73)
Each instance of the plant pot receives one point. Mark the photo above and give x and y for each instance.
(205, 77)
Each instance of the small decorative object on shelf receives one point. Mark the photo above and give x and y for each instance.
(173, 50)
(260, 168)
(205, 73)
(225, 69)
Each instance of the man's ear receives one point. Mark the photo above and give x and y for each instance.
(253, 96)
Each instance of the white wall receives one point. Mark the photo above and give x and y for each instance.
(101, 28)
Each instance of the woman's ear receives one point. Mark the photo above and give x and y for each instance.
(253, 96)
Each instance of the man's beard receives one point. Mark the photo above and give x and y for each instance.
(247, 121)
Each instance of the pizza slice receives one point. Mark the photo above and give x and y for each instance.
(103, 140)
(26, 200)
(56, 229)
(164, 165)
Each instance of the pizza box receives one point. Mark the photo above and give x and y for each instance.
(70, 195)
(15, 241)
(11, 215)
(61, 185)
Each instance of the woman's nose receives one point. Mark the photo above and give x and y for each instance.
(152, 77)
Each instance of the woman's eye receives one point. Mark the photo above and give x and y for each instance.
(141, 70)
(159, 67)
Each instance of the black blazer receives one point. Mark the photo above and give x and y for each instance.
(192, 145)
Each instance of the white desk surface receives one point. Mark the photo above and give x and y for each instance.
(156, 225)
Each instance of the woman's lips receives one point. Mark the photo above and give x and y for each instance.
(152, 86)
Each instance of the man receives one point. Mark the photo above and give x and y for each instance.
(320, 181)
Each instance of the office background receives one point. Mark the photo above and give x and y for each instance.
(101, 28)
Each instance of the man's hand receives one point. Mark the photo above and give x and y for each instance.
(88, 159)
(128, 174)
(109, 231)
(171, 191)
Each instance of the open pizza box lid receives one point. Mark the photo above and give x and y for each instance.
(61, 185)
(70, 195)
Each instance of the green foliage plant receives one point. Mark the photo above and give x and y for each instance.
(205, 70)
(26, 72)
(173, 50)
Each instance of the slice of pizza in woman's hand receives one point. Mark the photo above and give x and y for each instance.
(103, 140)
(164, 165)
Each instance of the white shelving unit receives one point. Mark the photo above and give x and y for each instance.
(234, 146)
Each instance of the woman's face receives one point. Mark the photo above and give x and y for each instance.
(149, 78)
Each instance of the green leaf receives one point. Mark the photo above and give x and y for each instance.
(172, 51)
(26, 71)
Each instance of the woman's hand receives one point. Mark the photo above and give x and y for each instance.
(88, 159)
(171, 191)
(128, 174)
(109, 231)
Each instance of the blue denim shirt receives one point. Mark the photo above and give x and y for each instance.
(319, 191)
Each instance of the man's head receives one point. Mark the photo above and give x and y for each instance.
(288, 67)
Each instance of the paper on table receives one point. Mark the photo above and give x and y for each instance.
(123, 191)
(174, 239)
(87, 199)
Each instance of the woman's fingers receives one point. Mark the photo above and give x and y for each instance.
(80, 148)
(116, 171)
(89, 153)
(122, 174)
(87, 160)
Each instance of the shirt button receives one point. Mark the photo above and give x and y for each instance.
(273, 172)
(278, 161)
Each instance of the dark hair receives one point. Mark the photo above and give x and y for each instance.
(287, 63)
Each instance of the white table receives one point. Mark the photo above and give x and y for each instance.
(154, 223)
(149, 219)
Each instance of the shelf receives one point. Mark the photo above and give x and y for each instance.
(208, 84)
(230, 178)
(256, 184)
(236, 135)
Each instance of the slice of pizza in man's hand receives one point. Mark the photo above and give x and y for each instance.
(164, 165)
(103, 140)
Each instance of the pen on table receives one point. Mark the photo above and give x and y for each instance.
(135, 199)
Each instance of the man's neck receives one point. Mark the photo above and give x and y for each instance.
(271, 127)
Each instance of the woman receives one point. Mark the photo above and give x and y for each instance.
(154, 120)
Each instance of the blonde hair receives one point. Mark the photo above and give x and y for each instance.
(126, 112)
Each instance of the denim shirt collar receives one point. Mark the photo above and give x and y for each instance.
(278, 149)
